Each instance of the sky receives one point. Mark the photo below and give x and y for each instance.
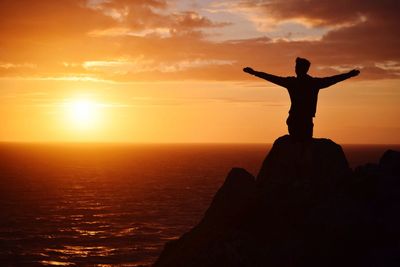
(157, 71)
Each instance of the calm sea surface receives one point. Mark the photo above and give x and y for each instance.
(113, 205)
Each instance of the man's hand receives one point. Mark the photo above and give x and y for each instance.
(354, 73)
(248, 70)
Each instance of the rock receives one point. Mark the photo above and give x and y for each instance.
(213, 241)
(390, 162)
(302, 172)
(232, 199)
(305, 208)
(321, 160)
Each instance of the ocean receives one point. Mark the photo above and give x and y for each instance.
(112, 204)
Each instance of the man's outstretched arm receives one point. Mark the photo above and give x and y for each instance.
(281, 81)
(328, 81)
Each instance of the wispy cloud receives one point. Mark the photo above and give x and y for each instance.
(8, 65)
(141, 64)
(184, 101)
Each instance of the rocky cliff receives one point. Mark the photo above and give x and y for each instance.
(304, 208)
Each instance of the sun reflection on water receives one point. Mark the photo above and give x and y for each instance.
(57, 263)
(81, 251)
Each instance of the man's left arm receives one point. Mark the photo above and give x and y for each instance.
(328, 81)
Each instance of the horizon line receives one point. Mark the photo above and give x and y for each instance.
(167, 143)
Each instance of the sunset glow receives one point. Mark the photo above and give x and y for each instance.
(83, 113)
(171, 71)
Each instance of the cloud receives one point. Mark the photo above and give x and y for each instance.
(320, 13)
(141, 64)
(5, 65)
(125, 40)
(143, 17)
(48, 19)
(124, 31)
(180, 101)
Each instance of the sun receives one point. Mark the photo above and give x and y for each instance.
(83, 113)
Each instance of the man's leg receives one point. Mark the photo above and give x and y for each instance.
(308, 127)
(300, 129)
(294, 128)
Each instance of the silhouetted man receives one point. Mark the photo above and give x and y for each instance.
(303, 90)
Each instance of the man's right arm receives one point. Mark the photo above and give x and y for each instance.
(281, 81)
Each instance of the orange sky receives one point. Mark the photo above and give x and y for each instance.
(171, 71)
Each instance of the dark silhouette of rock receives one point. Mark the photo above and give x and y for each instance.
(389, 162)
(213, 239)
(305, 208)
(302, 166)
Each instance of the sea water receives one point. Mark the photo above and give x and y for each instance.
(114, 205)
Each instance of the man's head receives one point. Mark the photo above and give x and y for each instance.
(302, 66)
